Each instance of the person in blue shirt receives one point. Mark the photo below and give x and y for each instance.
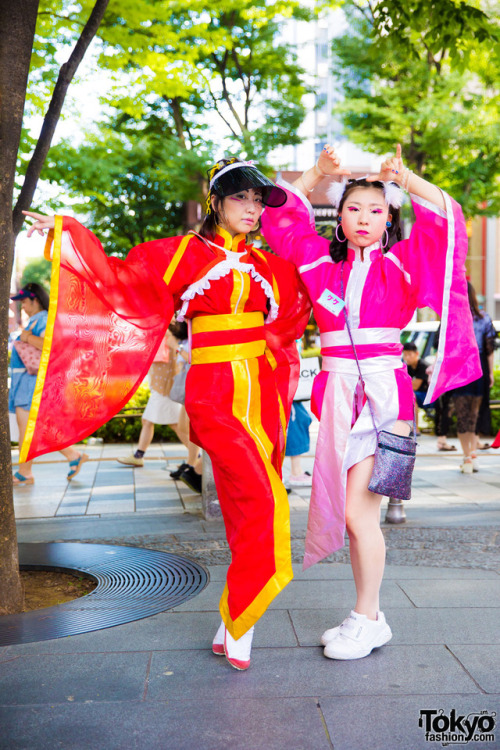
(35, 303)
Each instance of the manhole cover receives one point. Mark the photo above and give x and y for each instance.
(132, 583)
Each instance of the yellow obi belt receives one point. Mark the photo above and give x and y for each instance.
(224, 338)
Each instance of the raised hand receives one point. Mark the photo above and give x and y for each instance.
(41, 222)
(329, 162)
(392, 169)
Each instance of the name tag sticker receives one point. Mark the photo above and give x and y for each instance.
(331, 302)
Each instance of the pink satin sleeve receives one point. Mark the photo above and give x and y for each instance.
(434, 257)
(290, 230)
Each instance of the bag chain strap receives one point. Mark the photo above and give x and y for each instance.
(353, 347)
(356, 357)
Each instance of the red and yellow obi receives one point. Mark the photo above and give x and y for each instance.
(222, 338)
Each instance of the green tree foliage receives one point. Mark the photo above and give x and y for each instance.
(126, 426)
(436, 25)
(446, 119)
(190, 82)
(222, 57)
(456, 27)
(135, 178)
(38, 270)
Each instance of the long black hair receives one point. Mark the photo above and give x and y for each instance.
(338, 250)
(474, 304)
(179, 330)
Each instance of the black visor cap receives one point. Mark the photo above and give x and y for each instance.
(245, 178)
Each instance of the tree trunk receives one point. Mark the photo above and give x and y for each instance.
(51, 119)
(17, 30)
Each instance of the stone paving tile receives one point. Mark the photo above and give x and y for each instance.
(391, 723)
(168, 504)
(325, 594)
(169, 631)
(481, 662)
(72, 509)
(115, 491)
(409, 626)
(338, 571)
(456, 593)
(99, 507)
(165, 489)
(5, 656)
(304, 672)
(45, 679)
(176, 725)
(41, 510)
(206, 601)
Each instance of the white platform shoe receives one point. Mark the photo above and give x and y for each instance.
(356, 637)
(238, 651)
(218, 641)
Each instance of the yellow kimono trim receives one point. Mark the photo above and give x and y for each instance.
(172, 266)
(276, 290)
(53, 239)
(246, 408)
(230, 242)
(227, 352)
(227, 322)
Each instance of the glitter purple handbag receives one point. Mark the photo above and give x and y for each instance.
(393, 466)
(395, 454)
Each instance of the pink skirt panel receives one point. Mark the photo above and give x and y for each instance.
(341, 445)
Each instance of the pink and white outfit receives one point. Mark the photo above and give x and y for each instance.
(381, 293)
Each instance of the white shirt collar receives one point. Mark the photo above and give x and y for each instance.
(367, 251)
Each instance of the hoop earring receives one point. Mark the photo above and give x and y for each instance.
(339, 226)
(386, 239)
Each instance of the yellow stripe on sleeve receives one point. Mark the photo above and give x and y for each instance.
(54, 240)
(172, 266)
(246, 408)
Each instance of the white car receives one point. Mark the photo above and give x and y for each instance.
(423, 335)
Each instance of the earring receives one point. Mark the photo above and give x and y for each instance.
(386, 239)
(388, 223)
(339, 226)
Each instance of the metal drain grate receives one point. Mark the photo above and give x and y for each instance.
(133, 583)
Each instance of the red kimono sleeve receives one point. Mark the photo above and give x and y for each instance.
(107, 318)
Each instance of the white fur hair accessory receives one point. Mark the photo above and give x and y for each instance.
(393, 194)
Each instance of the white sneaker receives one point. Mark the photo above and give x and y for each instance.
(131, 460)
(218, 641)
(302, 480)
(358, 636)
(332, 633)
(238, 652)
(467, 467)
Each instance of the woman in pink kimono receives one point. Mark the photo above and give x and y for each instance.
(382, 279)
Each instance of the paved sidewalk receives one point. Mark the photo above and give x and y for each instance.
(154, 683)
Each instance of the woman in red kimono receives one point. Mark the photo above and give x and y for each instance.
(244, 309)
